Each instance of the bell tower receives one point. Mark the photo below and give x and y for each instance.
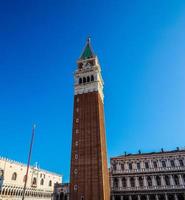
(89, 176)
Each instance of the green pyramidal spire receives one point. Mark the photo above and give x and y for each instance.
(88, 51)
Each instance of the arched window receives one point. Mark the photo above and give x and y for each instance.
(149, 181)
(92, 78)
(158, 180)
(176, 179)
(138, 166)
(34, 182)
(172, 163)
(163, 163)
(84, 80)
(122, 166)
(14, 176)
(167, 180)
(140, 181)
(124, 182)
(88, 79)
(50, 183)
(132, 182)
(114, 167)
(146, 165)
(80, 80)
(115, 183)
(130, 166)
(181, 163)
(24, 179)
(155, 164)
(42, 181)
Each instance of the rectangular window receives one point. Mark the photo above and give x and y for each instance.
(138, 166)
(155, 164)
(146, 165)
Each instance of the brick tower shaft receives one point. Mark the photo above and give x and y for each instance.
(89, 171)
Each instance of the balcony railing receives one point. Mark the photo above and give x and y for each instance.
(165, 187)
(144, 170)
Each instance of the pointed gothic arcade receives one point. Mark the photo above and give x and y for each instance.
(89, 171)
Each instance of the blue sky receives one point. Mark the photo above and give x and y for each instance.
(140, 45)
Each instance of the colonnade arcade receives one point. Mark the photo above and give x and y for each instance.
(159, 180)
(18, 192)
(156, 196)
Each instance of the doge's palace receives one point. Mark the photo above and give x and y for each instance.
(40, 183)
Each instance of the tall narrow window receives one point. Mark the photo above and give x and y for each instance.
(146, 165)
(34, 182)
(172, 163)
(132, 182)
(122, 167)
(167, 180)
(158, 180)
(42, 181)
(124, 182)
(50, 183)
(14, 176)
(181, 163)
(92, 78)
(115, 182)
(176, 179)
(88, 79)
(24, 178)
(140, 181)
(75, 187)
(114, 167)
(149, 181)
(84, 80)
(130, 166)
(80, 80)
(155, 164)
(138, 166)
(163, 163)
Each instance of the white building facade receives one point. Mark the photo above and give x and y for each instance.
(40, 183)
(150, 176)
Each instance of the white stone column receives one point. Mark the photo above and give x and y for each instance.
(166, 196)
(162, 181)
(175, 195)
(138, 197)
(130, 197)
(128, 181)
(153, 181)
(144, 181)
(156, 197)
(137, 181)
(147, 197)
(180, 179)
(120, 183)
(113, 197)
(171, 180)
(112, 184)
(121, 197)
